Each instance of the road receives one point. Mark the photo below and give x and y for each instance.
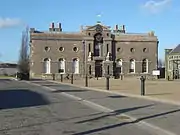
(51, 109)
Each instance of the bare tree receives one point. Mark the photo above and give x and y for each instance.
(23, 63)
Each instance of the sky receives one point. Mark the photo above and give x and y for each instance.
(139, 16)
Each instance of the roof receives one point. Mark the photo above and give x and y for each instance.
(119, 36)
(98, 24)
(176, 49)
(58, 35)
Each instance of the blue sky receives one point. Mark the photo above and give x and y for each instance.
(162, 16)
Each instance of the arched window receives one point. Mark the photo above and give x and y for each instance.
(119, 65)
(61, 66)
(145, 66)
(108, 68)
(89, 47)
(90, 70)
(107, 48)
(132, 66)
(75, 66)
(47, 66)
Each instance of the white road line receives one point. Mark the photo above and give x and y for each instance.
(142, 124)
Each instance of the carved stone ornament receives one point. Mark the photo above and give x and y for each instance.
(98, 37)
(99, 29)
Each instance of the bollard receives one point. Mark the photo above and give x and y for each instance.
(168, 78)
(72, 79)
(53, 75)
(121, 77)
(107, 82)
(61, 77)
(86, 81)
(142, 85)
(97, 77)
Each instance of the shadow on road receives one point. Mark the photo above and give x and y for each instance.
(57, 91)
(92, 131)
(49, 85)
(114, 113)
(3, 79)
(17, 98)
(116, 96)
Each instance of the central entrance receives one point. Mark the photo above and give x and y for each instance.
(98, 44)
(98, 68)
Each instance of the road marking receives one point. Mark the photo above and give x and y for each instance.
(142, 124)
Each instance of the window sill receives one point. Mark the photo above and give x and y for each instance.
(47, 73)
(132, 73)
(145, 73)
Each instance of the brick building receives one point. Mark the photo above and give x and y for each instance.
(96, 50)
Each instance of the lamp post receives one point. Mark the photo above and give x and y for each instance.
(85, 63)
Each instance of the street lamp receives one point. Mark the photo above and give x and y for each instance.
(85, 63)
(84, 50)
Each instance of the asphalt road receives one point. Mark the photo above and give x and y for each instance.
(161, 117)
(26, 109)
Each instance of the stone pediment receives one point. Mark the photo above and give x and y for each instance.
(98, 26)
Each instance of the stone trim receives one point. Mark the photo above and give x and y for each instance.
(56, 38)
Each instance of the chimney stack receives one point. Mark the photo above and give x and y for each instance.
(116, 28)
(59, 27)
(52, 25)
(122, 30)
(51, 28)
(123, 27)
(32, 30)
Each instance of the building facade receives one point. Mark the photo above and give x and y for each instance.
(172, 63)
(94, 50)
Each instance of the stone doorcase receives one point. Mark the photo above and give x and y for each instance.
(108, 68)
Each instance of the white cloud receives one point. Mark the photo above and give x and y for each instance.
(9, 22)
(155, 6)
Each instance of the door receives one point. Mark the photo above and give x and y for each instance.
(98, 69)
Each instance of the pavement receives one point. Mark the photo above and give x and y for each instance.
(158, 89)
(44, 108)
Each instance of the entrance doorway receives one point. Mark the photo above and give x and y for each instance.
(176, 74)
(98, 42)
(176, 69)
(98, 68)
